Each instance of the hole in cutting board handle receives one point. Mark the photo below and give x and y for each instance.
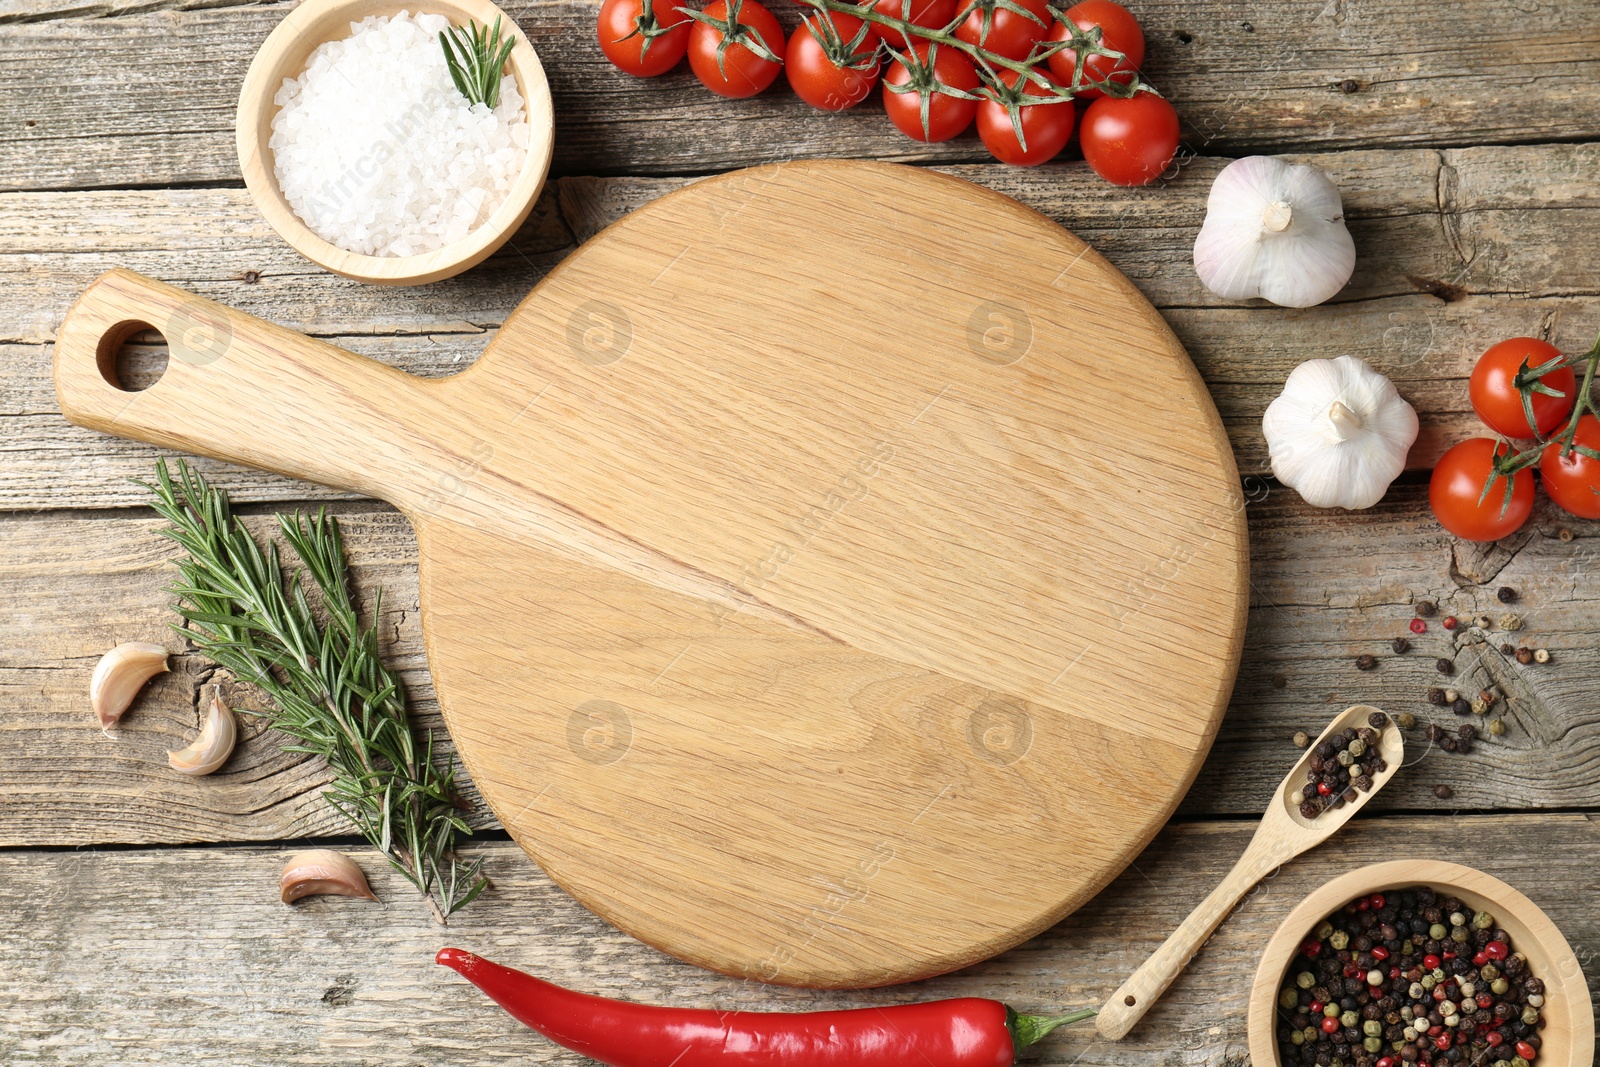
(129, 362)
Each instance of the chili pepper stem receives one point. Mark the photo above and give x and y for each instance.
(1030, 1029)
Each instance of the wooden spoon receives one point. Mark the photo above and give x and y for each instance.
(1283, 834)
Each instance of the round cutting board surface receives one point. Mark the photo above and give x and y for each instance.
(842, 577)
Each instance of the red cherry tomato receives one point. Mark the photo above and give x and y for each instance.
(932, 14)
(1457, 485)
(1494, 391)
(624, 42)
(1119, 31)
(816, 78)
(947, 115)
(1573, 480)
(742, 72)
(1008, 33)
(1129, 142)
(1046, 127)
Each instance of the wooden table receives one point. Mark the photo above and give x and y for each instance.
(139, 909)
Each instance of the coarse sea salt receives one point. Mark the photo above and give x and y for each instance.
(379, 153)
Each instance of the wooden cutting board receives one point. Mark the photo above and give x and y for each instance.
(832, 574)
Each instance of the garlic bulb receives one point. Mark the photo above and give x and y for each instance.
(119, 676)
(211, 749)
(1274, 230)
(1339, 433)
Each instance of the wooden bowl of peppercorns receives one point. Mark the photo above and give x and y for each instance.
(1515, 976)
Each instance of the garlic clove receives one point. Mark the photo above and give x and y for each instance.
(211, 749)
(119, 676)
(322, 872)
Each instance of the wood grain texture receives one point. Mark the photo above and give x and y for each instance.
(1567, 1028)
(1282, 834)
(155, 957)
(1514, 273)
(283, 56)
(1324, 590)
(777, 593)
(1245, 77)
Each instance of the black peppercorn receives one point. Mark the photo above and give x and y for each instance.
(1524, 655)
(1508, 649)
(1436, 696)
(1425, 608)
(1505, 594)
(1443, 792)
(1377, 720)
(1445, 666)
(1434, 733)
(1365, 662)
(1449, 744)
(1401, 646)
(1467, 731)
(1462, 706)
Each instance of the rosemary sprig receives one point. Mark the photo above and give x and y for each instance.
(477, 60)
(297, 634)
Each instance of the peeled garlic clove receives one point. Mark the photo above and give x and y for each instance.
(322, 871)
(119, 676)
(212, 748)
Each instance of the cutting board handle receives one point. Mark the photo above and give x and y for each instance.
(240, 389)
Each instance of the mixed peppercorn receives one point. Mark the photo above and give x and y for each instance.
(1341, 767)
(1409, 977)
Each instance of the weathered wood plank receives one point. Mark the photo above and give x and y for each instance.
(137, 957)
(1432, 290)
(152, 97)
(1326, 588)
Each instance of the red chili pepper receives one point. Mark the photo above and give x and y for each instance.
(969, 1032)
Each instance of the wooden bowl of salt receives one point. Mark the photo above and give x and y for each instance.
(380, 209)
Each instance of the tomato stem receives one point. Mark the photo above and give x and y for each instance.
(1529, 381)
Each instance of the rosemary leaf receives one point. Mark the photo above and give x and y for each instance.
(477, 57)
(296, 632)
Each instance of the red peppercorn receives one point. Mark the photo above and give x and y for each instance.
(1480, 958)
(1497, 950)
(1352, 971)
(1322, 789)
(1418, 626)
(1435, 1031)
(1442, 1042)
(1430, 962)
(1364, 904)
(1484, 1000)
(1316, 1007)
(1438, 992)
(1385, 1061)
(1377, 900)
(1311, 947)
(1394, 973)
(1494, 1037)
(1449, 954)
(1527, 1051)
(1379, 952)
(1330, 1026)
(1450, 622)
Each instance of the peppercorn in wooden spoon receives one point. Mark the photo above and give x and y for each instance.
(1353, 758)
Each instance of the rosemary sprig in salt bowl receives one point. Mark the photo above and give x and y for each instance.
(476, 57)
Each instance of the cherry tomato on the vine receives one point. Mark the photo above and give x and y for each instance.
(1119, 31)
(930, 14)
(1456, 489)
(947, 115)
(1007, 33)
(816, 78)
(1046, 127)
(1573, 480)
(1494, 387)
(631, 48)
(1131, 141)
(742, 71)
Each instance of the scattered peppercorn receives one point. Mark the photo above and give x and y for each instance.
(1436, 696)
(1365, 662)
(1279, 681)
(1443, 792)
(1426, 608)
(1418, 626)
(1301, 739)
(1467, 731)
(1433, 733)
(1541, 655)
(1401, 646)
(1524, 655)
(1405, 720)
(1511, 622)
(1508, 649)
(1451, 696)
(1444, 666)
(1461, 707)
(1498, 727)
(1450, 622)
(1505, 594)
(1488, 696)
(1480, 707)
(1483, 622)
(1564, 534)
